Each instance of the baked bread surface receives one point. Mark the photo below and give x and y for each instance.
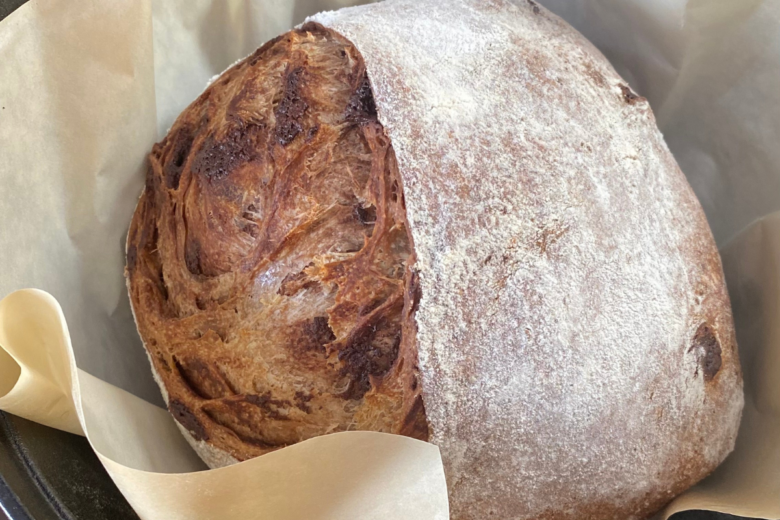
(544, 280)
(575, 338)
(269, 260)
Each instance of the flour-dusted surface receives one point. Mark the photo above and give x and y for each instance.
(575, 338)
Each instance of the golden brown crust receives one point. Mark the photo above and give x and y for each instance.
(269, 256)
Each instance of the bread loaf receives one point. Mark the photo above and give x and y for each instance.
(447, 220)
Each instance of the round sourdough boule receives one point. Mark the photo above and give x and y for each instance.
(447, 220)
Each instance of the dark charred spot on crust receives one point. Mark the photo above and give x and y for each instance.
(180, 149)
(162, 361)
(302, 401)
(132, 257)
(150, 179)
(629, 96)
(250, 215)
(364, 215)
(250, 228)
(706, 344)
(371, 350)
(291, 108)
(307, 341)
(148, 246)
(270, 407)
(187, 418)
(312, 132)
(291, 284)
(534, 6)
(216, 159)
(415, 424)
(192, 256)
(361, 107)
(316, 333)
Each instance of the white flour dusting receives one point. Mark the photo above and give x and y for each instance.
(565, 263)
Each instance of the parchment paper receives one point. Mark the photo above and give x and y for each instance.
(86, 89)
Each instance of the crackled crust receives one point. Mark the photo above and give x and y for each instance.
(269, 260)
(563, 314)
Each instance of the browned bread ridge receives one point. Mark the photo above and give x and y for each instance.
(449, 220)
(269, 259)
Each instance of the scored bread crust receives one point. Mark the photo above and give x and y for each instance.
(269, 259)
(575, 339)
(211, 455)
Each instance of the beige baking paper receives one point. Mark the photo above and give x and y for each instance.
(87, 87)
